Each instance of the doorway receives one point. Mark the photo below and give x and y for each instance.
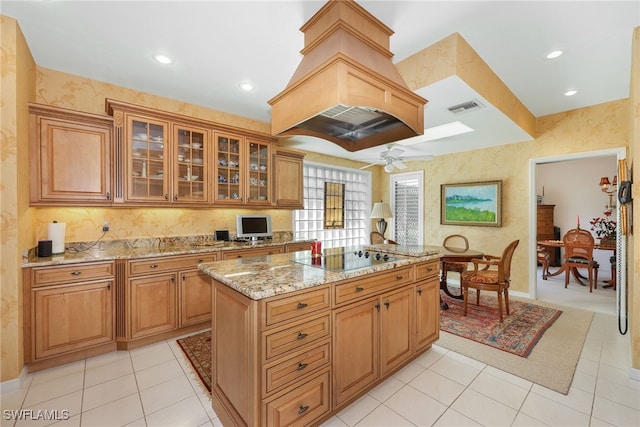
(570, 182)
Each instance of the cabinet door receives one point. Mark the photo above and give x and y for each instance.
(396, 329)
(427, 313)
(71, 161)
(146, 148)
(229, 177)
(288, 176)
(73, 317)
(153, 305)
(195, 297)
(190, 171)
(355, 349)
(259, 167)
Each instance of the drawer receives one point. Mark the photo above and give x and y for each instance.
(427, 269)
(296, 367)
(295, 337)
(366, 286)
(72, 273)
(290, 307)
(295, 247)
(301, 405)
(154, 265)
(246, 253)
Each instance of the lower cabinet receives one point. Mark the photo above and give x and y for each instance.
(195, 297)
(298, 358)
(371, 339)
(68, 313)
(153, 305)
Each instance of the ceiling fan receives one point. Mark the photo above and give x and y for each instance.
(392, 158)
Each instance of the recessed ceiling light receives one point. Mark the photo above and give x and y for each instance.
(570, 92)
(554, 54)
(163, 59)
(247, 87)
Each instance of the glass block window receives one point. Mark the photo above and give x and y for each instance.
(333, 205)
(309, 223)
(406, 204)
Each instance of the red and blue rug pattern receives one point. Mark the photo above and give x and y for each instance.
(519, 332)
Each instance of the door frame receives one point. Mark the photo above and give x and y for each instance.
(620, 153)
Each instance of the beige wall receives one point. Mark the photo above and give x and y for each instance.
(17, 88)
(634, 142)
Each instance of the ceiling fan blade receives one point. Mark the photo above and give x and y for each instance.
(394, 152)
(399, 164)
(369, 165)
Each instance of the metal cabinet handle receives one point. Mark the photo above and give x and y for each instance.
(398, 277)
(153, 266)
(377, 306)
(429, 268)
(301, 366)
(108, 196)
(386, 303)
(359, 289)
(76, 273)
(419, 291)
(166, 197)
(200, 261)
(175, 197)
(302, 409)
(301, 305)
(184, 277)
(301, 336)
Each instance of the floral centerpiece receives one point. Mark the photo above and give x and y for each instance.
(605, 228)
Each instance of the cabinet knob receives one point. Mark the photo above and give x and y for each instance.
(76, 273)
(175, 197)
(386, 304)
(166, 197)
(108, 196)
(302, 409)
(301, 366)
(301, 336)
(377, 306)
(419, 291)
(153, 266)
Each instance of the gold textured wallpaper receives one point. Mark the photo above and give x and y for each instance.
(598, 127)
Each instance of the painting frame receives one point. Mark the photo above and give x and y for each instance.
(484, 196)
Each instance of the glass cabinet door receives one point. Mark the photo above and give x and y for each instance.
(190, 170)
(259, 166)
(147, 164)
(229, 179)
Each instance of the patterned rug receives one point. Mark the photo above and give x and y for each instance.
(518, 334)
(197, 348)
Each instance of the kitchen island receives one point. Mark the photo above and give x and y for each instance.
(296, 338)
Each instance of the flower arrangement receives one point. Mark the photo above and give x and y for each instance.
(604, 227)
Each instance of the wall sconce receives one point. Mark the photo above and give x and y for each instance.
(610, 189)
(381, 210)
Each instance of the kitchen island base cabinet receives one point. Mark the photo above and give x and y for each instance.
(300, 357)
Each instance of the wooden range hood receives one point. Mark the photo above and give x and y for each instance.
(346, 89)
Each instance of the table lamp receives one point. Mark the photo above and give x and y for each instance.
(381, 211)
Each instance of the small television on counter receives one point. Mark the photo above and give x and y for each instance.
(253, 227)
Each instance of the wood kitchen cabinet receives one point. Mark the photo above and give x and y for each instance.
(69, 313)
(163, 297)
(243, 170)
(371, 339)
(70, 157)
(288, 179)
(249, 252)
(427, 297)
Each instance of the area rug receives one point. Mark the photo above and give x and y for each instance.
(553, 360)
(518, 333)
(197, 349)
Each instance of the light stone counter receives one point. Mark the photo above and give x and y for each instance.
(143, 248)
(262, 277)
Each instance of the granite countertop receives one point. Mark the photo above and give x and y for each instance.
(262, 277)
(143, 248)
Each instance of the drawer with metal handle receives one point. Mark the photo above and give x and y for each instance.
(70, 273)
(280, 341)
(373, 284)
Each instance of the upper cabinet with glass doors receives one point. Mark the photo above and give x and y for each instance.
(191, 176)
(243, 171)
(146, 146)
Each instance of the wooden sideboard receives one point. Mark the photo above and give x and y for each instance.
(545, 230)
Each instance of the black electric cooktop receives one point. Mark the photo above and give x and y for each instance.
(343, 259)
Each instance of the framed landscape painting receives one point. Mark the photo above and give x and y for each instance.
(473, 203)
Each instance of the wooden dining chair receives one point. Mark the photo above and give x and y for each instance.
(578, 253)
(495, 275)
(454, 243)
(378, 239)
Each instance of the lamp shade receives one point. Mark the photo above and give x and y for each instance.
(381, 210)
(604, 181)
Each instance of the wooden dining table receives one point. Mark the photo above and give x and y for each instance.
(559, 244)
(454, 255)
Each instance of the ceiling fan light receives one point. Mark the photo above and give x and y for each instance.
(388, 168)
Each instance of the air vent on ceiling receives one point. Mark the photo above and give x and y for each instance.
(466, 106)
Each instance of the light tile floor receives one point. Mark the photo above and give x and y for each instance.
(154, 386)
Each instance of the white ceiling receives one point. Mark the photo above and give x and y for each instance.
(216, 45)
